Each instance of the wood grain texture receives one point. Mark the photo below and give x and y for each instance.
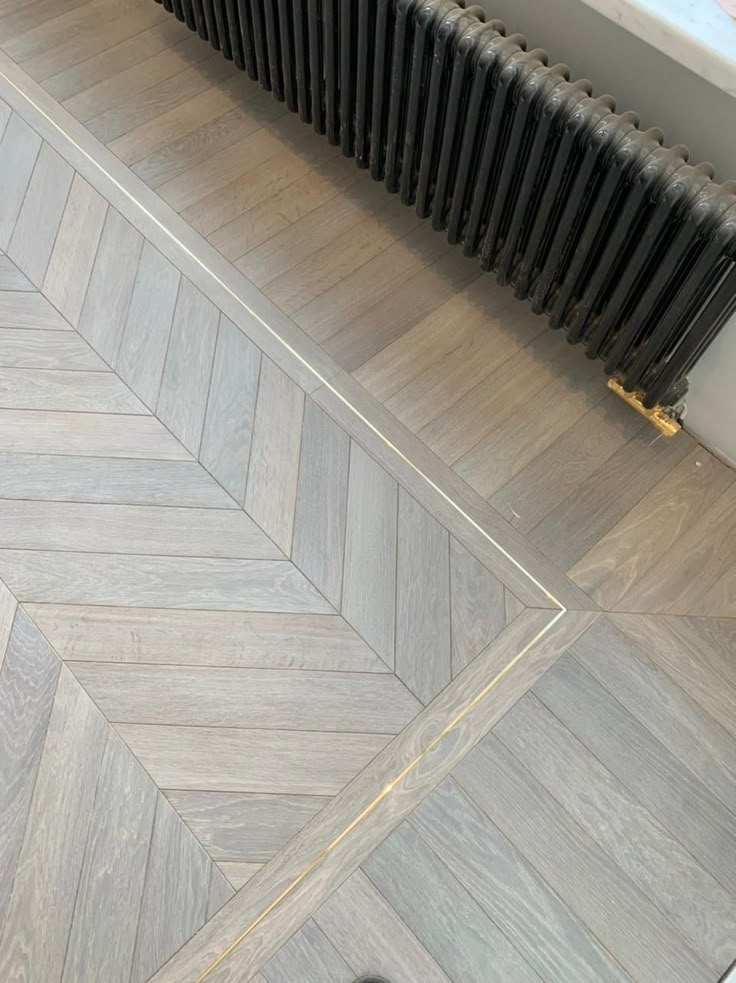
(236, 827)
(371, 937)
(633, 930)
(73, 255)
(696, 654)
(369, 584)
(268, 699)
(144, 530)
(308, 957)
(214, 638)
(8, 606)
(221, 891)
(175, 894)
(23, 309)
(639, 680)
(43, 349)
(159, 581)
(321, 502)
(671, 792)
(182, 401)
(273, 471)
(140, 361)
(114, 870)
(51, 857)
(238, 874)
(423, 642)
(62, 390)
(19, 149)
(228, 425)
(88, 435)
(641, 538)
(239, 760)
(11, 277)
(102, 320)
(28, 677)
(697, 905)
(351, 851)
(478, 606)
(38, 221)
(462, 938)
(55, 477)
(555, 943)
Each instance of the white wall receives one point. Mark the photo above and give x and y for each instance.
(688, 109)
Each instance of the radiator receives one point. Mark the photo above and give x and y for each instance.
(616, 238)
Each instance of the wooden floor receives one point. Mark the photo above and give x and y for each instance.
(298, 606)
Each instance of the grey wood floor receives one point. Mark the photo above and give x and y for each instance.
(289, 677)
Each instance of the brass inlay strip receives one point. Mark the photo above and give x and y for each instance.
(468, 707)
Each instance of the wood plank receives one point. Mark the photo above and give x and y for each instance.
(11, 277)
(175, 894)
(369, 580)
(269, 699)
(720, 601)
(70, 391)
(38, 221)
(8, 607)
(126, 54)
(629, 672)
(529, 432)
(387, 811)
(158, 99)
(284, 210)
(57, 26)
(87, 434)
(634, 930)
(228, 424)
(458, 934)
(195, 131)
(299, 239)
(42, 349)
(51, 857)
(159, 581)
(220, 892)
(553, 940)
(19, 149)
(369, 234)
(103, 932)
(369, 934)
(603, 499)
(140, 361)
(145, 530)
(239, 874)
(110, 480)
(309, 957)
(690, 653)
(273, 471)
(321, 502)
(28, 677)
(699, 908)
(237, 760)
(363, 288)
(182, 402)
(502, 392)
(671, 792)
(702, 553)
(75, 249)
(423, 641)
(543, 484)
(396, 312)
(117, 88)
(21, 309)
(478, 606)
(105, 309)
(245, 828)
(16, 20)
(614, 565)
(247, 640)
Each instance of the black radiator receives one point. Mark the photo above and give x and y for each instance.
(621, 242)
